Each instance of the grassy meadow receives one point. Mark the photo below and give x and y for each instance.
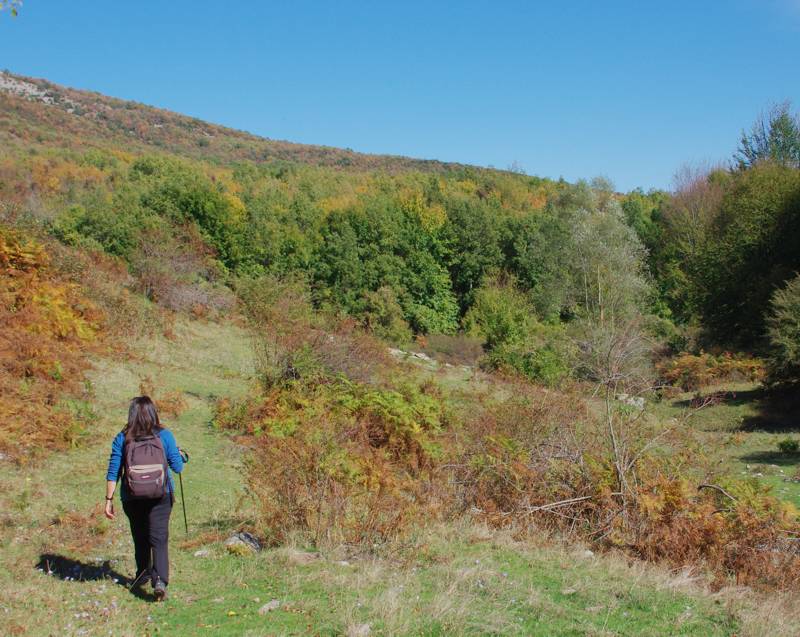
(446, 579)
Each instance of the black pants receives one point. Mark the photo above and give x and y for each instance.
(149, 521)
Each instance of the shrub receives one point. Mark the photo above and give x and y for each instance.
(383, 316)
(515, 341)
(788, 445)
(98, 227)
(345, 462)
(106, 282)
(501, 314)
(784, 335)
(175, 268)
(692, 372)
(295, 344)
(544, 358)
(341, 461)
(459, 349)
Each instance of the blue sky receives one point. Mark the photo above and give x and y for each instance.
(628, 90)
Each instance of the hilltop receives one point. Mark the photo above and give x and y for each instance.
(36, 109)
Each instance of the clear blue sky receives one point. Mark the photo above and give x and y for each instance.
(629, 90)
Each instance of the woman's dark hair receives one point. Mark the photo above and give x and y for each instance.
(142, 419)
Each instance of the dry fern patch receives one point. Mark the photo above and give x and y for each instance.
(48, 328)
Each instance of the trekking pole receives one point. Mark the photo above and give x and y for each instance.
(185, 458)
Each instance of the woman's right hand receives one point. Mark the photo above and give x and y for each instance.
(110, 510)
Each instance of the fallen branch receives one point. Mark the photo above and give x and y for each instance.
(560, 503)
(716, 488)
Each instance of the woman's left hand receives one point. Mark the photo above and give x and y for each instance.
(110, 510)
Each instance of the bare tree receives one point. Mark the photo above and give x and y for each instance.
(694, 205)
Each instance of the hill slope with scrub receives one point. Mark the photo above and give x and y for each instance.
(382, 365)
(67, 567)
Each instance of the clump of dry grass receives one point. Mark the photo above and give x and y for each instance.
(77, 531)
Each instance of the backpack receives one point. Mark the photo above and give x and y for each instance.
(145, 465)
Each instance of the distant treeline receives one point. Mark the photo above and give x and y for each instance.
(504, 255)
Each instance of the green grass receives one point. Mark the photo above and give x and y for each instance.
(475, 589)
(740, 434)
(457, 579)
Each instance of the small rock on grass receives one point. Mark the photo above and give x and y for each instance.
(359, 630)
(270, 606)
(242, 542)
(202, 553)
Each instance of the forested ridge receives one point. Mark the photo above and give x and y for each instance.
(401, 244)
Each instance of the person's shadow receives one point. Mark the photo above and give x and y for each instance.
(70, 570)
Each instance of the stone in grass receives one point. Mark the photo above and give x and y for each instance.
(359, 630)
(242, 543)
(270, 606)
(202, 553)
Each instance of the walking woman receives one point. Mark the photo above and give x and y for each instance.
(140, 455)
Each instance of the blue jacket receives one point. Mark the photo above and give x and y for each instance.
(115, 462)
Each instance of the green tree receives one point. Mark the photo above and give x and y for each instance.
(608, 270)
(752, 247)
(538, 253)
(364, 249)
(181, 193)
(471, 238)
(775, 136)
(784, 334)
(683, 223)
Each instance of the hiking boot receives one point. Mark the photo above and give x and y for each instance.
(160, 590)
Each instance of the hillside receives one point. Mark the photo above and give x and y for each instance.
(67, 567)
(444, 399)
(35, 109)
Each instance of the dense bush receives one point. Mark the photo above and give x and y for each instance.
(784, 334)
(341, 461)
(514, 340)
(383, 316)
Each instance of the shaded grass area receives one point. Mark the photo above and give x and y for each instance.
(740, 431)
(447, 580)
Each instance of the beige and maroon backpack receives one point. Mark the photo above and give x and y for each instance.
(145, 468)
